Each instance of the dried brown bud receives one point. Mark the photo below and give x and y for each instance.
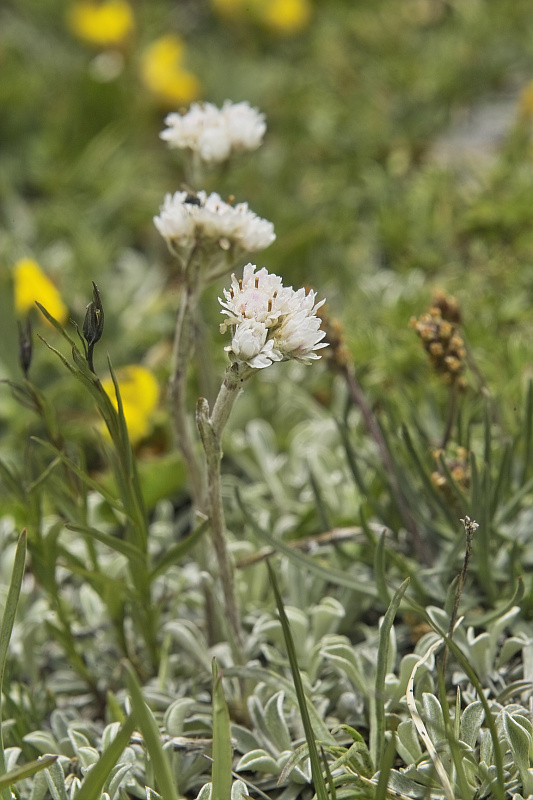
(25, 347)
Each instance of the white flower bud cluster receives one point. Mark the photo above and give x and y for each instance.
(185, 219)
(215, 133)
(270, 322)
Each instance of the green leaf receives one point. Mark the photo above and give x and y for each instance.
(408, 742)
(25, 771)
(221, 776)
(471, 721)
(96, 778)
(379, 569)
(6, 629)
(175, 553)
(520, 742)
(328, 574)
(316, 770)
(110, 499)
(130, 551)
(385, 767)
(276, 723)
(152, 738)
(259, 761)
(56, 781)
(377, 738)
(423, 472)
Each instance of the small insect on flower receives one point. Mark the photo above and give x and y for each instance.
(187, 220)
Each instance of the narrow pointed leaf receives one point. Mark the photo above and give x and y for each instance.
(316, 770)
(152, 738)
(222, 751)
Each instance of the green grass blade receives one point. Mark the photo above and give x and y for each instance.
(130, 551)
(274, 679)
(25, 771)
(386, 763)
(377, 736)
(222, 751)
(527, 428)
(316, 770)
(329, 776)
(150, 731)
(6, 629)
(452, 735)
(57, 325)
(93, 784)
(506, 512)
(82, 475)
(178, 551)
(320, 506)
(430, 491)
(499, 784)
(379, 569)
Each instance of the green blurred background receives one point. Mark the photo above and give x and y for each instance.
(397, 159)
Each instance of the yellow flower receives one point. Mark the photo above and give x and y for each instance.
(32, 284)
(286, 16)
(229, 8)
(139, 391)
(525, 101)
(105, 24)
(163, 74)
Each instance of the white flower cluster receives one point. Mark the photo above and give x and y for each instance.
(186, 218)
(270, 322)
(216, 133)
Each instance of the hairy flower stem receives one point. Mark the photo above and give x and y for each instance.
(211, 428)
(373, 428)
(470, 527)
(181, 357)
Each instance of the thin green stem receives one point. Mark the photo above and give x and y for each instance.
(181, 357)
(452, 414)
(211, 427)
(470, 527)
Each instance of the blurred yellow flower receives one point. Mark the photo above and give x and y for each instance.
(525, 101)
(163, 74)
(32, 284)
(104, 24)
(139, 391)
(229, 8)
(286, 16)
(281, 16)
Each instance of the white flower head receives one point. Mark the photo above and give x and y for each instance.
(185, 219)
(270, 322)
(215, 134)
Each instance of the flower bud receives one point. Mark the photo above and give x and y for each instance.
(93, 325)
(25, 347)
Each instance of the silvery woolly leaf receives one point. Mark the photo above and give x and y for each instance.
(43, 741)
(118, 773)
(471, 721)
(175, 716)
(275, 722)
(408, 744)
(78, 740)
(239, 791)
(258, 761)
(56, 781)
